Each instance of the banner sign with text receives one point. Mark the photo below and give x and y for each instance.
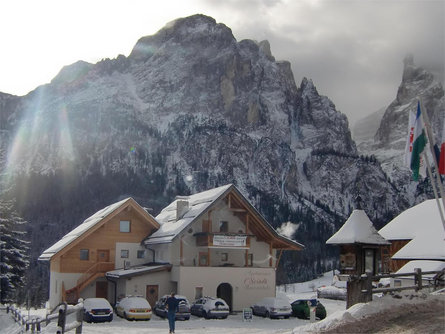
(229, 240)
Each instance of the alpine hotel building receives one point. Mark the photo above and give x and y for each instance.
(213, 243)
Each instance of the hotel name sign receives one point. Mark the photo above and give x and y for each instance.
(260, 280)
(229, 240)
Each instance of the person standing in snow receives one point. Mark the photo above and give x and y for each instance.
(172, 307)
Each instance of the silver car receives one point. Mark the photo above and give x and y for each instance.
(272, 307)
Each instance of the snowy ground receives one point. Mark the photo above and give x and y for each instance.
(430, 308)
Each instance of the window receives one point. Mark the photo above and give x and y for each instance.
(84, 254)
(125, 253)
(124, 226)
(250, 260)
(223, 226)
(369, 261)
(203, 259)
(224, 257)
(141, 254)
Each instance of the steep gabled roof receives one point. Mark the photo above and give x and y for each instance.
(407, 225)
(428, 245)
(201, 203)
(423, 226)
(357, 229)
(92, 223)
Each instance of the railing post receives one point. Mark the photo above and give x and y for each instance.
(368, 296)
(62, 319)
(80, 317)
(418, 278)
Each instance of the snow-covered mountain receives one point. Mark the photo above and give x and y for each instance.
(364, 130)
(189, 109)
(388, 143)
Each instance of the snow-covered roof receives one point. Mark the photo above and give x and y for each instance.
(88, 223)
(138, 270)
(198, 203)
(425, 265)
(428, 245)
(357, 229)
(423, 226)
(415, 220)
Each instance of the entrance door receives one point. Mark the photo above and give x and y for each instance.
(224, 291)
(103, 255)
(151, 294)
(102, 289)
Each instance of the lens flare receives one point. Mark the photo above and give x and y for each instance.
(42, 142)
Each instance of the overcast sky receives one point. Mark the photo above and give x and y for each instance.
(352, 50)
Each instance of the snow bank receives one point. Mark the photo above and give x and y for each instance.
(364, 310)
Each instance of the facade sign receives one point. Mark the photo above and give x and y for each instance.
(229, 240)
(258, 280)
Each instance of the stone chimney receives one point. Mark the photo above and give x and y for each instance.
(182, 206)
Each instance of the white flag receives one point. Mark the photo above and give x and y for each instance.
(410, 139)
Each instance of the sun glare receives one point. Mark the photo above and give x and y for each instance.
(37, 136)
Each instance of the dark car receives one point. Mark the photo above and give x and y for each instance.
(300, 309)
(209, 307)
(97, 310)
(183, 313)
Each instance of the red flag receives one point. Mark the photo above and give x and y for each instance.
(442, 159)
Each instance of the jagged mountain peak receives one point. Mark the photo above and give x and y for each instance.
(192, 31)
(70, 73)
(415, 80)
(389, 142)
(307, 87)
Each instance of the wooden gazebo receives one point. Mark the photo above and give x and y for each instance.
(360, 245)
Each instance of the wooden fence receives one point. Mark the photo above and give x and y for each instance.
(360, 288)
(60, 312)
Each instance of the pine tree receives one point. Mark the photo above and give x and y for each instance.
(14, 249)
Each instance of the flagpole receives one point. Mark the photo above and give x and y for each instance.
(434, 187)
(431, 142)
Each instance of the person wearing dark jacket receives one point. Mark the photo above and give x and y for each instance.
(172, 307)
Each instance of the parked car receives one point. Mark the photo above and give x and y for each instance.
(301, 310)
(272, 307)
(134, 308)
(209, 307)
(97, 310)
(183, 313)
(331, 292)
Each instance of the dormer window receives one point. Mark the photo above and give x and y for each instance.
(224, 226)
(124, 226)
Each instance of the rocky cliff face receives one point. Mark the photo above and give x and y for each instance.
(189, 109)
(388, 144)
